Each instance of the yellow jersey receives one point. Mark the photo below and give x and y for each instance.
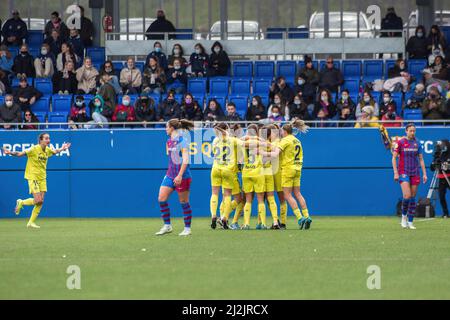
(225, 153)
(276, 162)
(253, 163)
(292, 152)
(36, 168)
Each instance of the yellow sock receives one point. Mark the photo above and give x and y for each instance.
(273, 209)
(28, 202)
(238, 211)
(247, 213)
(305, 212)
(283, 212)
(221, 208)
(297, 213)
(34, 214)
(213, 203)
(262, 212)
(227, 208)
(234, 205)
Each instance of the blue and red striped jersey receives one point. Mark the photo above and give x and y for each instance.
(174, 148)
(408, 152)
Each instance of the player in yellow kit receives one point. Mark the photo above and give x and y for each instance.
(36, 174)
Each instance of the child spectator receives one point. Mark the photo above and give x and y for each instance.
(78, 113)
(101, 113)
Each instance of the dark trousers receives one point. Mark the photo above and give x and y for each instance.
(443, 186)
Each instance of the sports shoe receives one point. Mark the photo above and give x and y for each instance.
(308, 223)
(213, 222)
(167, 228)
(225, 224)
(301, 223)
(245, 227)
(404, 222)
(258, 226)
(185, 232)
(234, 226)
(32, 225)
(275, 227)
(220, 222)
(282, 226)
(263, 227)
(19, 206)
(411, 226)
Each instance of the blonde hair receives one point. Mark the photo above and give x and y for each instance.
(181, 124)
(299, 124)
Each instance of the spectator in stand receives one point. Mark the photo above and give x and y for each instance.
(434, 107)
(76, 43)
(3, 88)
(345, 114)
(44, 64)
(169, 108)
(78, 113)
(25, 95)
(65, 82)
(177, 77)
(157, 52)
(154, 78)
(299, 84)
(86, 77)
(312, 78)
(256, 110)
(398, 84)
(417, 46)
(107, 76)
(416, 100)
(29, 121)
(439, 69)
(323, 119)
(9, 113)
(346, 102)
(213, 111)
(6, 63)
(160, 25)
(190, 110)
(330, 78)
(367, 119)
(177, 53)
(282, 104)
(325, 104)
(130, 78)
(386, 103)
(391, 115)
(367, 100)
(298, 109)
(55, 23)
(232, 115)
(430, 81)
(436, 43)
(23, 63)
(14, 31)
(199, 61)
(124, 112)
(101, 113)
(397, 69)
(391, 22)
(145, 109)
(276, 115)
(219, 62)
(66, 54)
(87, 29)
(55, 42)
(280, 86)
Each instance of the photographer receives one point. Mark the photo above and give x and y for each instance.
(441, 162)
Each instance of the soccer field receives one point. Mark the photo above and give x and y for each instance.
(330, 261)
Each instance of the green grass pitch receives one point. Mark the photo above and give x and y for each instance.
(329, 261)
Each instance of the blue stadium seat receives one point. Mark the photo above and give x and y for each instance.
(446, 32)
(415, 66)
(301, 65)
(298, 33)
(200, 98)
(61, 103)
(58, 117)
(97, 54)
(372, 70)
(40, 115)
(387, 65)
(288, 69)
(34, 51)
(2, 100)
(275, 33)
(413, 114)
(44, 85)
(264, 69)
(240, 87)
(398, 98)
(42, 105)
(189, 35)
(243, 69)
(261, 87)
(241, 103)
(35, 38)
(197, 85)
(118, 65)
(140, 65)
(14, 51)
(352, 85)
(336, 64)
(15, 82)
(218, 87)
(376, 96)
(220, 100)
(87, 98)
(351, 69)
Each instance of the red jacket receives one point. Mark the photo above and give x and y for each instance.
(391, 124)
(125, 112)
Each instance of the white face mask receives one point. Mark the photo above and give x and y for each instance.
(275, 114)
(386, 99)
(197, 51)
(301, 82)
(176, 67)
(79, 103)
(176, 51)
(324, 98)
(130, 66)
(126, 103)
(44, 52)
(367, 99)
(276, 101)
(297, 102)
(345, 98)
(9, 103)
(216, 49)
(255, 103)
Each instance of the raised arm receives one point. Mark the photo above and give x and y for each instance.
(65, 146)
(13, 153)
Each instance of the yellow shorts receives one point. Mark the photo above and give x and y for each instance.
(37, 186)
(236, 186)
(223, 178)
(277, 182)
(290, 178)
(269, 183)
(254, 184)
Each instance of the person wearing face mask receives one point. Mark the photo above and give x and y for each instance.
(346, 102)
(159, 54)
(219, 62)
(256, 110)
(55, 23)
(87, 77)
(25, 95)
(311, 77)
(367, 100)
(190, 109)
(108, 77)
(23, 63)
(101, 113)
(130, 78)
(279, 101)
(436, 43)
(14, 30)
(199, 61)
(391, 115)
(324, 104)
(177, 77)
(416, 100)
(177, 53)
(78, 113)
(145, 110)
(298, 110)
(10, 112)
(169, 108)
(159, 26)
(417, 46)
(276, 115)
(387, 103)
(213, 111)
(434, 107)
(397, 69)
(154, 78)
(65, 82)
(124, 111)
(44, 63)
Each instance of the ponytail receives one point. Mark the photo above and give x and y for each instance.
(299, 124)
(181, 124)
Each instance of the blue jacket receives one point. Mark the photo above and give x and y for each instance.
(6, 64)
(15, 28)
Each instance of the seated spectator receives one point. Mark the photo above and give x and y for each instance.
(323, 119)
(325, 104)
(101, 113)
(65, 81)
(6, 60)
(177, 53)
(276, 114)
(124, 112)
(219, 62)
(25, 95)
(232, 115)
(298, 109)
(107, 76)
(9, 113)
(86, 77)
(154, 78)
(430, 81)
(130, 78)
(330, 78)
(416, 100)
(256, 110)
(279, 101)
(66, 54)
(199, 61)
(434, 107)
(367, 118)
(439, 69)
(311, 77)
(190, 110)
(344, 114)
(55, 23)
(391, 115)
(436, 43)
(367, 100)
(213, 111)
(280, 86)
(108, 93)
(157, 52)
(177, 77)
(3, 88)
(169, 108)
(387, 103)
(145, 110)
(76, 43)
(14, 30)
(78, 113)
(44, 63)
(417, 46)
(30, 121)
(23, 63)
(86, 29)
(396, 70)
(398, 84)
(55, 42)
(160, 25)
(346, 102)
